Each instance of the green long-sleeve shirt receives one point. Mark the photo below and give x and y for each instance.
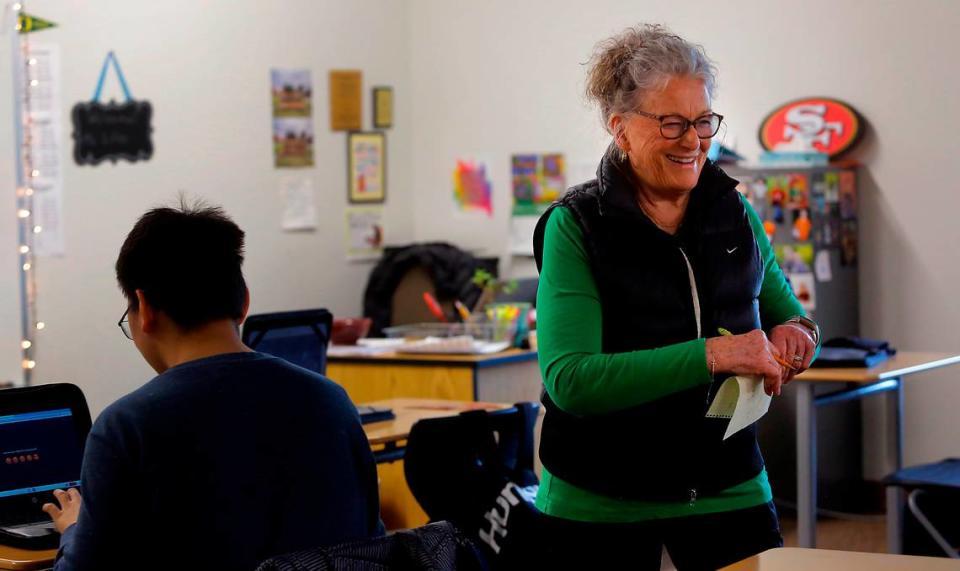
(581, 379)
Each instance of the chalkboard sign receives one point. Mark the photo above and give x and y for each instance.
(112, 131)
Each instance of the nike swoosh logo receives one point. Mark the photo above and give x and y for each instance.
(732, 250)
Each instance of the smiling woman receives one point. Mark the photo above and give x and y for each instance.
(639, 269)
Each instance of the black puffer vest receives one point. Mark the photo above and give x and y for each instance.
(655, 290)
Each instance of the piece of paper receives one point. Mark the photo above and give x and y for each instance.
(345, 100)
(42, 76)
(742, 400)
(299, 206)
(521, 234)
(822, 266)
(364, 233)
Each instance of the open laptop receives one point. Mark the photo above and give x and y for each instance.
(42, 434)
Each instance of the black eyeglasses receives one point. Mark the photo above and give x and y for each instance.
(675, 126)
(124, 325)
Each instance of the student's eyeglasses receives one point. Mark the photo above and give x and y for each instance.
(675, 126)
(124, 325)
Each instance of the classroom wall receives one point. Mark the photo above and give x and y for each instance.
(205, 67)
(498, 77)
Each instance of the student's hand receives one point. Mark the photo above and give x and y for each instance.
(796, 345)
(65, 515)
(748, 354)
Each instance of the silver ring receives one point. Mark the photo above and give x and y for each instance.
(797, 359)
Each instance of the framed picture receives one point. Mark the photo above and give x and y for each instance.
(366, 167)
(382, 107)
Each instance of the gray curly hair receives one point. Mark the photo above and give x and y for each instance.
(641, 59)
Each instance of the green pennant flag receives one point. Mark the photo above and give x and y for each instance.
(28, 23)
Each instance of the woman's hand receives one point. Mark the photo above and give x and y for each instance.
(796, 345)
(748, 354)
(66, 514)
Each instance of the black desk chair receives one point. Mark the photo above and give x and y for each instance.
(300, 337)
(475, 470)
(937, 487)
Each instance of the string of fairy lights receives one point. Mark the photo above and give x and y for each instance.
(25, 80)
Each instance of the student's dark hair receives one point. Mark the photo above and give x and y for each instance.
(187, 262)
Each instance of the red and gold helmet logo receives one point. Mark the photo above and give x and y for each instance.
(815, 124)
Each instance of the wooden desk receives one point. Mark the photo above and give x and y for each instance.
(398, 508)
(13, 558)
(798, 559)
(886, 377)
(509, 376)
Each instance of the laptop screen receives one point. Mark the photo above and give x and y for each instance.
(300, 345)
(39, 451)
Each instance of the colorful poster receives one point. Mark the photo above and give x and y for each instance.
(777, 197)
(291, 91)
(364, 237)
(537, 181)
(848, 195)
(553, 180)
(794, 258)
(831, 187)
(293, 141)
(805, 288)
(366, 158)
(471, 187)
(798, 191)
(345, 100)
(848, 243)
(755, 191)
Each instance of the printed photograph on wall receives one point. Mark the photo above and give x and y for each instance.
(366, 167)
(291, 91)
(293, 142)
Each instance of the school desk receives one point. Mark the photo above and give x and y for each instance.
(798, 559)
(509, 376)
(887, 377)
(13, 558)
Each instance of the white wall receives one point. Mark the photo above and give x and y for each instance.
(205, 67)
(497, 77)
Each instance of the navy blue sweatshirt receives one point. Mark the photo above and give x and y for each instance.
(220, 463)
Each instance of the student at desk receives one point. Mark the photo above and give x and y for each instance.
(228, 456)
(639, 270)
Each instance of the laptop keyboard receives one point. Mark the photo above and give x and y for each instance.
(16, 518)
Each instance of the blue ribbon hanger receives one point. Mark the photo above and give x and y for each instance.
(103, 75)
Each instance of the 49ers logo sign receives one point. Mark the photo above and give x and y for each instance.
(816, 124)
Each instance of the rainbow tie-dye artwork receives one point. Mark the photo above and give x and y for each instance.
(471, 187)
